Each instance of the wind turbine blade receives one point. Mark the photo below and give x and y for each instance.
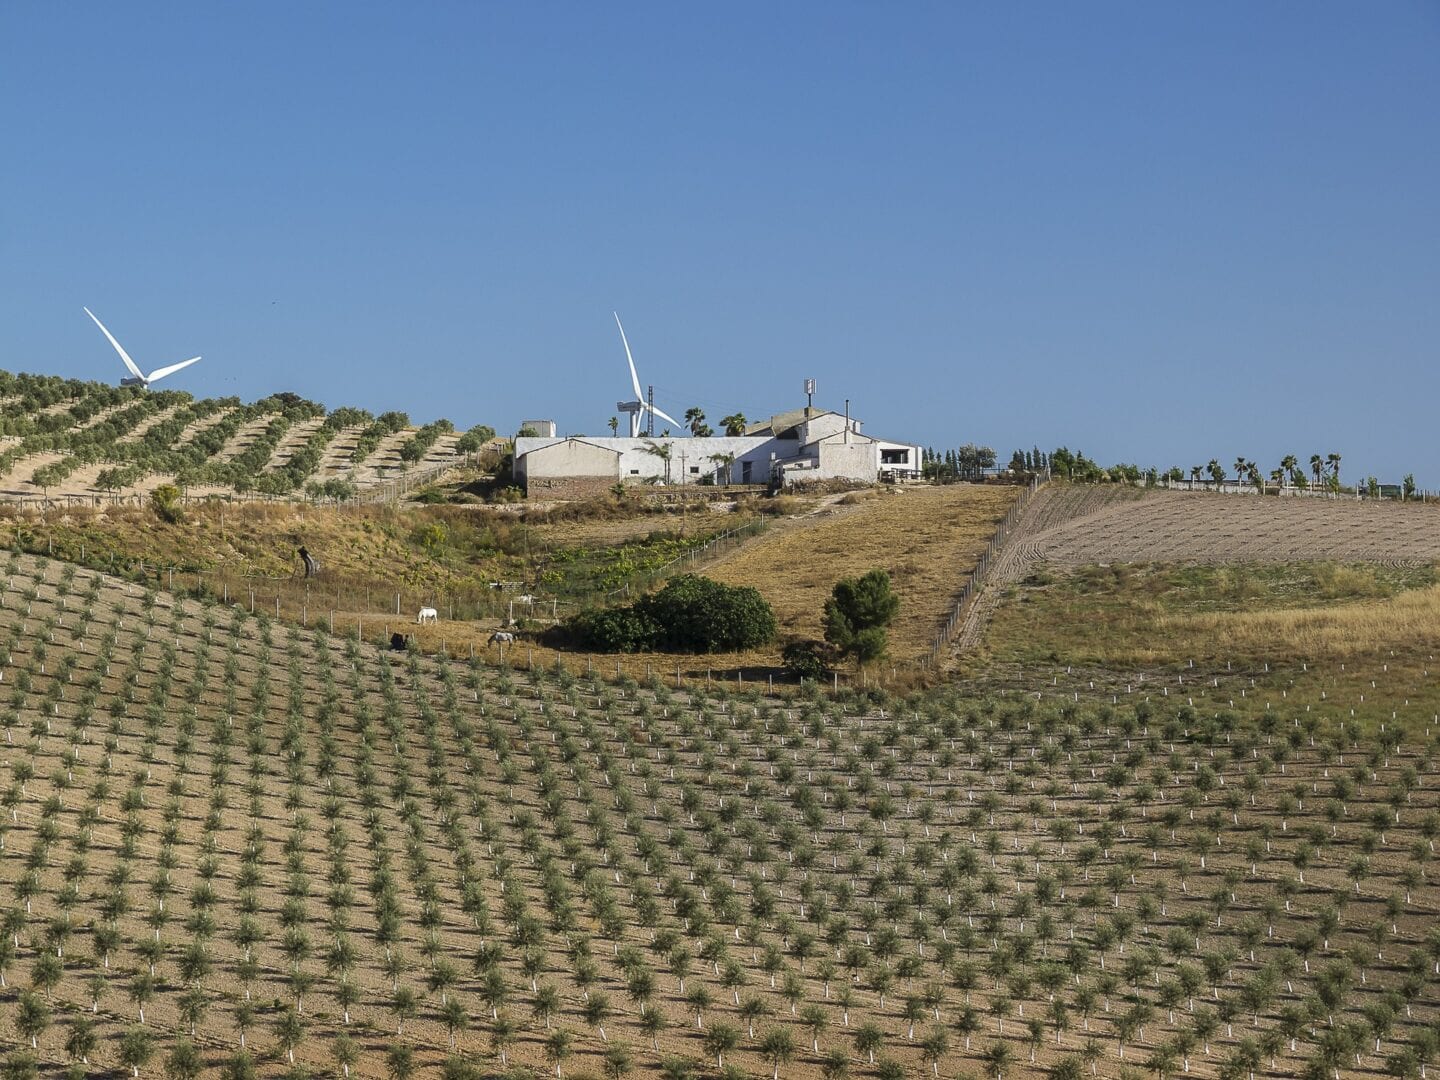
(160, 373)
(664, 416)
(634, 379)
(123, 354)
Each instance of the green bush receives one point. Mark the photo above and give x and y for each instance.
(165, 501)
(697, 615)
(612, 630)
(805, 659)
(691, 614)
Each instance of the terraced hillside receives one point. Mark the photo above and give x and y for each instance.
(235, 845)
(65, 440)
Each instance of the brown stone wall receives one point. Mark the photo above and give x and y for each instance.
(568, 487)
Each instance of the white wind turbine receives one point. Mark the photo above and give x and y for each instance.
(639, 407)
(140, 378)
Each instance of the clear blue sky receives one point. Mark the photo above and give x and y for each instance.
(1155, 232)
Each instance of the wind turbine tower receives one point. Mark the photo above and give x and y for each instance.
(138, 377)
(641, 405)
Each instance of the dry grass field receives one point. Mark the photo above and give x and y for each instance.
(236, 848)
(1129, 615)
(1099, 525)
(1069, 527)
(927, 538)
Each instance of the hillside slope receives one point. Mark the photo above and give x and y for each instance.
(235, 843)
(1077, 525)
(63, 440)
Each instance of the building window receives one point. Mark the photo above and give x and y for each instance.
(894, 457)
(634, 472)
(694, 468)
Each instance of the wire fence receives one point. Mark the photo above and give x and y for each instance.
(341, 599)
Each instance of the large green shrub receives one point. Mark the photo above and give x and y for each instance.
(805, 659)
(611, 630)
(691, 614)
(698, 615)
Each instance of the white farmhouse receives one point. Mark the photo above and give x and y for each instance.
(801, 446)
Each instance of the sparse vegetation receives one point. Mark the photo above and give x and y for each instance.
(238, 845)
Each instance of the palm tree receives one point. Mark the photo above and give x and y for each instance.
(613, 424)
(1216, 471)
(778, 1046)
(695, 417)
(1317, 468)
(734, 424)
(1288, 464)
(724, 465)
(1333, 460)
(663, 451)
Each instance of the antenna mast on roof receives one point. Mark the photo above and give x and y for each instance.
(809, 395)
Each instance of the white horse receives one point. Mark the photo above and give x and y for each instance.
(502, 637)
(428, 614)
